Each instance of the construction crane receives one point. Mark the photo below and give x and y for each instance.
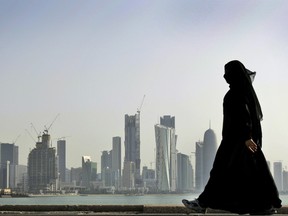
(30, 135)
(16, 139)
(47, 129)
(37, 133)
(139, 109)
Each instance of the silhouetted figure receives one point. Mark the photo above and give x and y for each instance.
(240, 180)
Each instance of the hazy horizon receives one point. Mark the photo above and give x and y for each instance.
(93, 61)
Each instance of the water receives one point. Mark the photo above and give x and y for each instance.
(167, 199)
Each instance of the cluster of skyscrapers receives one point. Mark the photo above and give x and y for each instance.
(46, 171)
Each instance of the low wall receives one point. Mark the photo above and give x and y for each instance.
(146, 209)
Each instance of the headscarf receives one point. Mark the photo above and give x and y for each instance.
(240, 79)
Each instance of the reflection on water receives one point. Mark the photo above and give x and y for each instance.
(167, 199)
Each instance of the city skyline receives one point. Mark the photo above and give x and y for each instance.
(43, 161)
(93, 61)
(122, 149)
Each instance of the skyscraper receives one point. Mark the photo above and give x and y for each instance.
(89, 171)
(209, 152)
(199, 166)
(61, 153)
(166, 158)
(285, 181)
(149, 180)
(167, 121)
(106, 164)
(8, 160)
(111, 164)
(132, 144)
(205, 154)
(42, 166)
(278, 175)
(116, 162)
(184, 173)
(128, 175)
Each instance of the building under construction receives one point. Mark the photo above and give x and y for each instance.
(42, 168)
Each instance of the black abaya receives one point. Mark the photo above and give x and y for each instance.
(240, 181)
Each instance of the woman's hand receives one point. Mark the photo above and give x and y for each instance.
(251, 145)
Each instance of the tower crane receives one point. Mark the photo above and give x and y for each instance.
(30, 135)
(47, 129)
(139, 109)
(37, 133)
(16, 139)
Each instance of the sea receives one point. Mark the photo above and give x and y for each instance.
(149, 199)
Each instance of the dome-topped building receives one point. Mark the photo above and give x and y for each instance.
(209, 152)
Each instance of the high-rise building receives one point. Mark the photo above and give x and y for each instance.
(21, 178)
(205, 154)
(128, 176)
(89, 171)
(61, 153)
(285, 181)
(166, 158)
(167, 121)
(75, 176)
(106, 160)
(42, 166)
(199, 166)
(209, 152)
(106, 164)
(149, 179)
(278, 175)
(8, 160)
(184, 173)
(132, 144)
(116, 162)
(111, 164)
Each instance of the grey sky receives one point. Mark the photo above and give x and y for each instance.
(92, 62)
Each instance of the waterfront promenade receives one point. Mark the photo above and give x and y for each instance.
(113, 210)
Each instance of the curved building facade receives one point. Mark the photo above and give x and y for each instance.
(209, 152)
(166, 158)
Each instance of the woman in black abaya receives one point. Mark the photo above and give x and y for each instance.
(240, 180)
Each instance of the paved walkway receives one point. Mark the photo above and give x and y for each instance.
(112, 210)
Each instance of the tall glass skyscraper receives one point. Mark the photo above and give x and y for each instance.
(199, 166)
(167, 121)
(116, 162)
(205, 155)
(184, 173)
(132, 144)
(166, 158)
(8, 160)
(209, 152)
(61, 153)
(106, 163)
(278, 175)
(89, 171)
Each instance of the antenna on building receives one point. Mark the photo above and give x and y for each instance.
(209, 124)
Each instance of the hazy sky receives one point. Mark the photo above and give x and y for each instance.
(93, 61)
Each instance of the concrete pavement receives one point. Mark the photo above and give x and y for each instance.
(113, 210)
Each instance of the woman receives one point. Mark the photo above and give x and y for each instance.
(240, 180)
